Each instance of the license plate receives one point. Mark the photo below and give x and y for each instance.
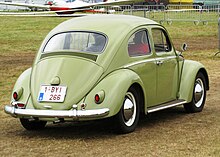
(52, 93)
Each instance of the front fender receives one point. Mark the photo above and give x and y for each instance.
(114, 85)
(190, 70)
(23, 82)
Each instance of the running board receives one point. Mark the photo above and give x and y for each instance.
(166, 105)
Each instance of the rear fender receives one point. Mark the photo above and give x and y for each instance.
(190, 70)
(23, 82)
(115, 86)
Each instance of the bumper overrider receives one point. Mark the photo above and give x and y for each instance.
(73, 113)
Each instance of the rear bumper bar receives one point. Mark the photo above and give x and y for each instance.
(75, 114)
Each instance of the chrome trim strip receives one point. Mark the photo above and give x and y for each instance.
(97, 113)
(139, 62)
(154, 109)
(165, 58)
(149, 60)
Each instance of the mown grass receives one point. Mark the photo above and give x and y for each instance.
(20, 38)
(168, 133)
(23, 33)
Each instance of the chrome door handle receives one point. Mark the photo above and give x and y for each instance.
(159, 62)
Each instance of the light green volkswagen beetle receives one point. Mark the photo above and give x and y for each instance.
(102, 66)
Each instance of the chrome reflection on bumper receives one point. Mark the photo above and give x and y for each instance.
(76, 114)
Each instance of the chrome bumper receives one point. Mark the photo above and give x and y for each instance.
(75, 114)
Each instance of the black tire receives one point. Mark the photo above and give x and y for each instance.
(127, 118)
(199, 95)
(32, 125)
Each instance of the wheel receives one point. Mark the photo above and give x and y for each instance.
(199, 95)
(128, 116)
(32, 125)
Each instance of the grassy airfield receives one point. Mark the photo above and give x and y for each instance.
(166, 133)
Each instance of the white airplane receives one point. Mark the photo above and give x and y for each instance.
(70, 6)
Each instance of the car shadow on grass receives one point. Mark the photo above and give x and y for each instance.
(102, 128)
(171, 115)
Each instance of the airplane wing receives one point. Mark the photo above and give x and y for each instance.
(82, 5)
(113, 2)
(77, 7)
(26, 5)
(110, 2)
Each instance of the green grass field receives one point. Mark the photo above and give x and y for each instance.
(167, 133)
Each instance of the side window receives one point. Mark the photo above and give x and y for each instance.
(161, 41)
(138, 44)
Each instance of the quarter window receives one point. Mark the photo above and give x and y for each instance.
(138, 44)
(161, 41)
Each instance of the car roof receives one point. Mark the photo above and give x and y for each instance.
(102, 23)
(115, 27)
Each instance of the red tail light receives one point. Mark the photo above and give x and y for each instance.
(20, 105)
(97, 98)
(15, 96)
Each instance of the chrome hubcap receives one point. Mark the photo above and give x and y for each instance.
(129, 109)
(198, 92)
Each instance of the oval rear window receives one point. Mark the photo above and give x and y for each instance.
(89, 42)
